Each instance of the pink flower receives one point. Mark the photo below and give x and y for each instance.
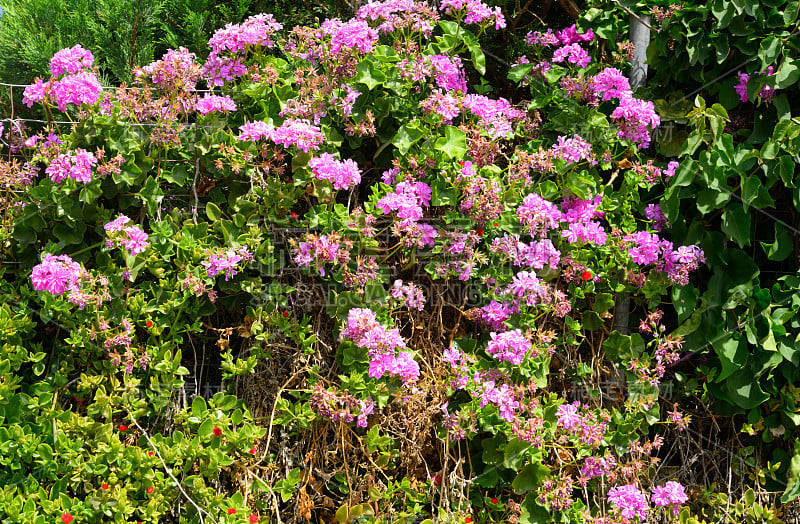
(56, 274)
(254, 131)
(341, 174)
(629, 500)
(71, 60)
(137, 240)
(568, 417)
(211, 103)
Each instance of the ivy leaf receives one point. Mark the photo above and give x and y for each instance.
(213, 211)
(769, 50)
(520, 71)
(783, 245)
(407, 136)
(732, 353)
(787, 75)
(453, 144)
(736, 224)
(529, 478)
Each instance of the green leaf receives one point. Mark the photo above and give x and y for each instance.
(532, 513)
(783, 245)
(792, 490)
(478, 58)
(213, 211)
(603, 302)
(684, 299)
(529, 478)
(407, 136)
(736, 224)
(732, 353)
(369, 75)
(790, 13)
(788, 74)
(151, 195)
(520, 71)
(453, 144)
(743, 389)
(769, 50)
(515, 454)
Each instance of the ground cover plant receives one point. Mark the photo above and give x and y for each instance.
(346, 281)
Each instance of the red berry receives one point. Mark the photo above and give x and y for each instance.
(150, 453)
(253, 518)
(479, 231)
(496, 224)
(104, 486)
(123, 427)
(467, 520)
(66, 518)
(231, 511)
(586, 275)
(294, 215)
(149, 323)
(150, 490)
(253, 451)
(217, 431)
(437, 480)
(494, 500)
(285, 314)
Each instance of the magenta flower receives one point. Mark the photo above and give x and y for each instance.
(573, 53)
(211, 103)
(71, 60)
(568, 416)
(341, 174)
(354, 34)
(137, 240)
(254, 131)
(629, 500)
(56, 274)
(298, 133)
(510, 346)
(76, 165)
(672, 493)
(118, 224)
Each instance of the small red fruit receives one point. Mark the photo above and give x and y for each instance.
(66, 518)
(467, 520)
(149, 323)
(437, 480)
(494, 500)
(217, 432)
(253, 518)
(123, 427)
(150, 490)
(150, 453)
(294, 215)
(496, 224)
(285, 314)
(231, 511)
(104, 486)
(479, 231)
(253, 450)
(586, 275)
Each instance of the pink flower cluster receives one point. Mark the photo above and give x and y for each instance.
(230, 44)
(502, 396)
(292, 132)
(538, 215)
(670, 494)
(495, 116)
(476, 12)
(210, 103)
(226, 261)
(572, 53)
(322, 249)
(76, 165)
(341, 174)
(338, 406)
(400, 14)
(443, 104)
(767, 92)
(79, 88)
(494, 315)
(509, 346)
(408, 294)
(573, 150)
(131, 238)
(408, 200)
(71, 60)
(354, 34)
(256, 31)
(56, 275)
(176, 71)
(629, 500)
(366, 332)
(633, 117)
(647, 248)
